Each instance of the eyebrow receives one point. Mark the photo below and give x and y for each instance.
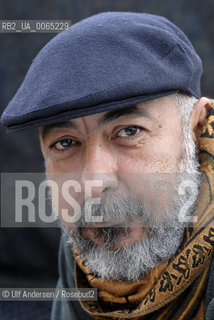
(125, 111)
(109, 116)
(66, 124)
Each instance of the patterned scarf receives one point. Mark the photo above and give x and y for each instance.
(175, 288)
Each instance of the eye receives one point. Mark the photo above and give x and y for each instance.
(129, 131)
(63, 144)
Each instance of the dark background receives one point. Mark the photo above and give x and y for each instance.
(28, 257)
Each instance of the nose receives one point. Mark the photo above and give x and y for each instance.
(100, 168)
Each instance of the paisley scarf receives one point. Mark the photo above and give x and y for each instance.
(175, 288)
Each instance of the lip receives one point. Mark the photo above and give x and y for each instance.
(127, 222)
(105, 225)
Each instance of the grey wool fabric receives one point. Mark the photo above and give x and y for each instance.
(107, 61)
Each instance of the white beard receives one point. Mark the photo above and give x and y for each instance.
(161, 242)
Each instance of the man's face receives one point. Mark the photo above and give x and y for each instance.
(120, 148)
(145, 138)
(115, 146)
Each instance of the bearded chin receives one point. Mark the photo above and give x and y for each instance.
(161, 241)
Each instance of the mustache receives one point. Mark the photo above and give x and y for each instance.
(113, 209)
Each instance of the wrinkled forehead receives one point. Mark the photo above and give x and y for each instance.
(147, 110)
(100, 118)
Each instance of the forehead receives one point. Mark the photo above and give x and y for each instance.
(149, 110)
(101, 118)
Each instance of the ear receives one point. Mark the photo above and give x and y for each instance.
(198, 117)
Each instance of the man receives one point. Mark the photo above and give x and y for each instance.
(117, 100)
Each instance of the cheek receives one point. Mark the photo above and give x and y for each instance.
(159, 156)
(67, 203)
(67, 193)
(66, 163)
